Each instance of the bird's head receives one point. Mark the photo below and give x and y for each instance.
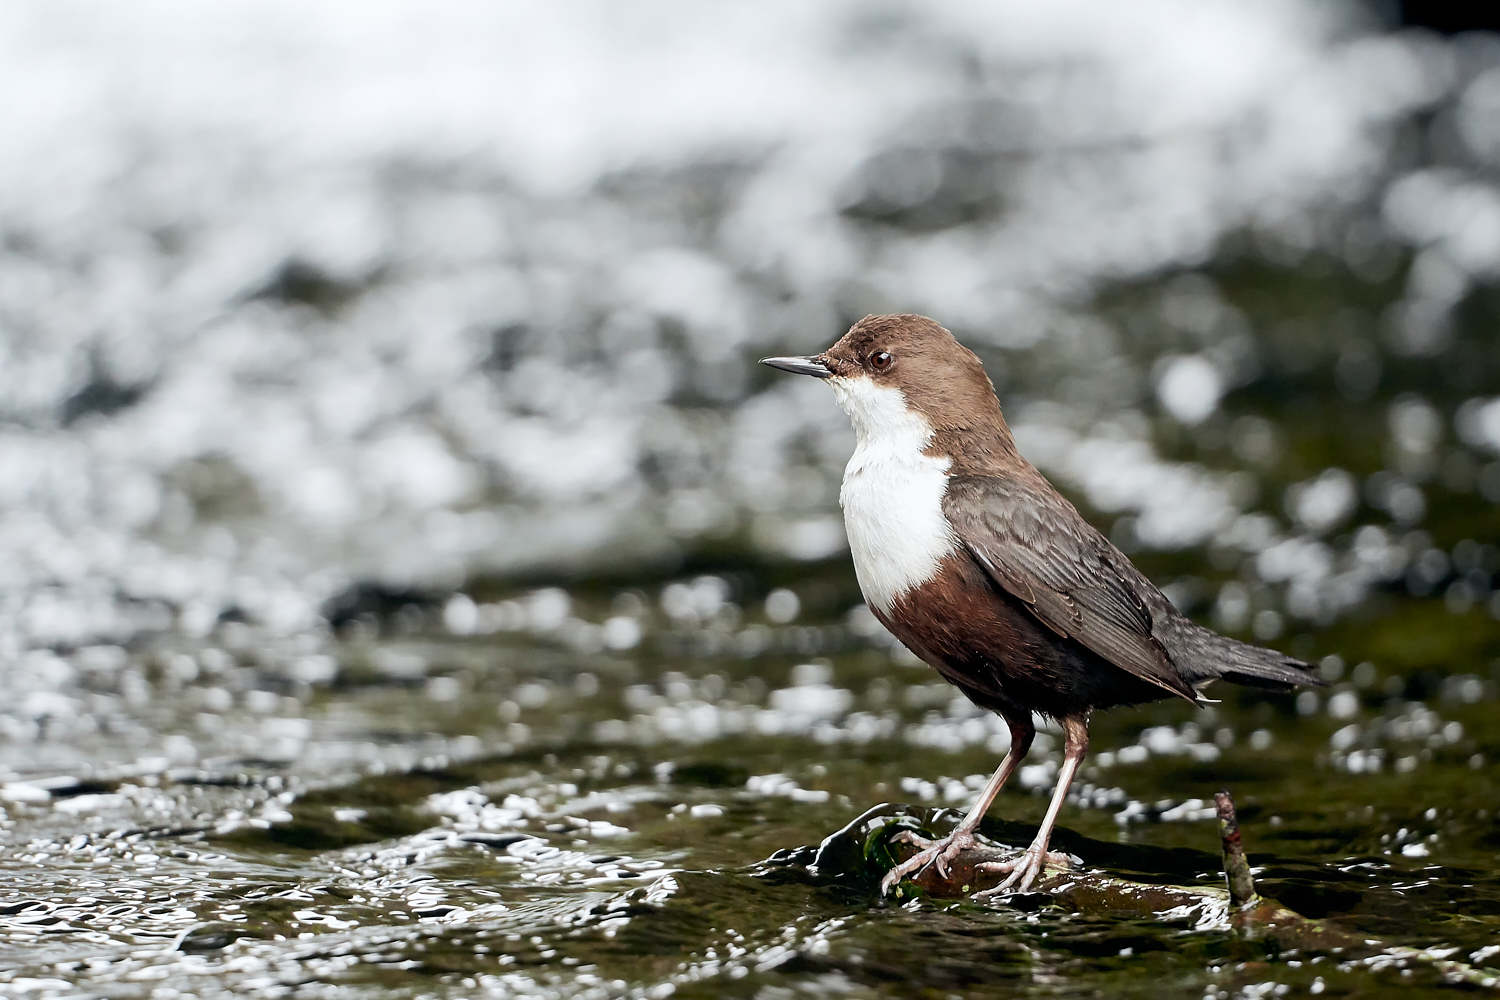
(893, 369)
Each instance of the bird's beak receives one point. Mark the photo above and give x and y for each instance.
(800, 366)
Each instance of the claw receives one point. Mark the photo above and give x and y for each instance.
(1024, 869)
(911, 837)
(933, 852)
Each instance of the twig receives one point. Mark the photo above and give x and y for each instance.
(1242, 892)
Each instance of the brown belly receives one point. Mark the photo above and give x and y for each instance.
(989, 645)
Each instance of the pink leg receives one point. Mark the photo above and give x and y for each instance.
(1025, 869)
(944, 850)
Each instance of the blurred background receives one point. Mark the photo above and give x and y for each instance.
(339, 322)
(388, 491)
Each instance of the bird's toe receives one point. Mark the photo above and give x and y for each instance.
(912, 864)
(1024, 869)
(911, 837)
(938, 853)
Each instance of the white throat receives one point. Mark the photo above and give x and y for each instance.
(892, 494)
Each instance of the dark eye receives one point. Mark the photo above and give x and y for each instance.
(880, 360)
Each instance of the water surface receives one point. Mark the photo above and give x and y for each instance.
(531, 813)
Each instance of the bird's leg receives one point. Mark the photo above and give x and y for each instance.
(945, 849)
(1025, 869)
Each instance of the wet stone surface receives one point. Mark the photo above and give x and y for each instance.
(594, 799)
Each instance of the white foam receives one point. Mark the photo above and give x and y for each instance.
(163, 162)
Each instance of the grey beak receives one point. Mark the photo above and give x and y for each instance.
(800, 366)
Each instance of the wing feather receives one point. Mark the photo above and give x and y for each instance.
(1033, 544)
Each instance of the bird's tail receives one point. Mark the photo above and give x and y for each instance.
(1201, 655)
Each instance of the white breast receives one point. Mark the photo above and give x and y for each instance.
(892, 494)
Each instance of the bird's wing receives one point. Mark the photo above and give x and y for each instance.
(1033, 544)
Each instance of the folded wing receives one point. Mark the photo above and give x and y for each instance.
(1035, 546)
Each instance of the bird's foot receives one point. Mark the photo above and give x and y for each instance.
(1023, 869)
(933, 852)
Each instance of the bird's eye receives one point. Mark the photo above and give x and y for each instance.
(880, 360)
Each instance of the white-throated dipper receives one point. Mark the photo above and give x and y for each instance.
(970, 557)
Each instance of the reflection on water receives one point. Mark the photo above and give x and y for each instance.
(516, 806)
(412, 587)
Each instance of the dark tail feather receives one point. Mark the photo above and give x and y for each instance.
(1201, 656)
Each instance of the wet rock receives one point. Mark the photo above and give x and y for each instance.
(212, 937)
(1086, 890)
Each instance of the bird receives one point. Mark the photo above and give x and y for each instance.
(968, 555)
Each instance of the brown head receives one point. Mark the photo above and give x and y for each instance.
(937, 378)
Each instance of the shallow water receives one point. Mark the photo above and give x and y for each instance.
(276, 389)
(531, 813)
